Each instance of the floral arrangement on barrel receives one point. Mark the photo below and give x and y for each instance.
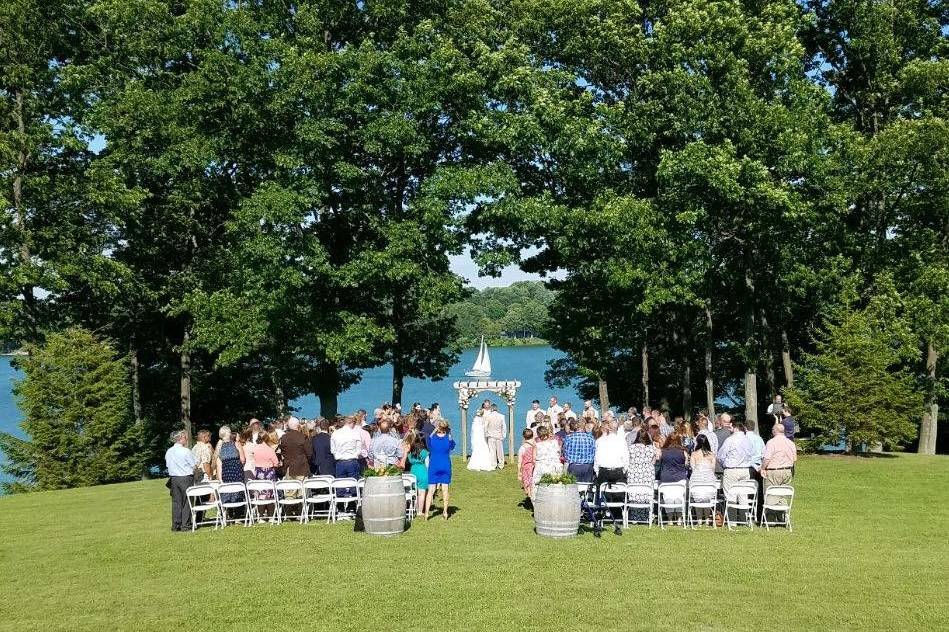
(564, 478)
(387, 470)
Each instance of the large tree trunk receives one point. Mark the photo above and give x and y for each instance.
(645, 358)
(687, 388)
(751, 385)
(398, 382)
(927, 431)
(186, 381)
(137, 396)
(786, 359)
(709, 342)
(20, 218)
(769, 372)
(604, 394)
(329, 403)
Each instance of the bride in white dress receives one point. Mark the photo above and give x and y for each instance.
(480, 459)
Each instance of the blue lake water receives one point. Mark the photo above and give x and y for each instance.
(526, 364)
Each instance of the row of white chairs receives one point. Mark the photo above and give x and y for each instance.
(682, 501)
(311, 498)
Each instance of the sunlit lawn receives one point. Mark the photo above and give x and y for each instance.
(870, 550)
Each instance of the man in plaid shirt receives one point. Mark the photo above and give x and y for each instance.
(578, 450)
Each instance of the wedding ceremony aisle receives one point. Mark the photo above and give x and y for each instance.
(868, 551)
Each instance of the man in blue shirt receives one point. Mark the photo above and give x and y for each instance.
(578, 451)
(180, 462)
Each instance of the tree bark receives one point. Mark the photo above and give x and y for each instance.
(751, 385)
(398, 382)
(786, 359)
(186, 381)
(927, 431)
(280, 398)
(709, 341)
(687, 388)
(604, 394)
(137, 395)
(329, 403)
(645, 358)
(20, 217)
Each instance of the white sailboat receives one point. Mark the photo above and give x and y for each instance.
(482, 365)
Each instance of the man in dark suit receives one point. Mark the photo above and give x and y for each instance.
(322, 461)
(296, 451)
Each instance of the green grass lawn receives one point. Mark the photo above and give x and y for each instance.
(870, 549)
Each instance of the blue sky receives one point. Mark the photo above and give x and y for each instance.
(463, 265)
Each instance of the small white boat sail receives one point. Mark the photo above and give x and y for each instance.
(482, 365)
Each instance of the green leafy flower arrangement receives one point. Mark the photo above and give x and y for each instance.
(388, 470)
(558, 479)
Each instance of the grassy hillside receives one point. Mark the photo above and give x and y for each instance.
(869, 551)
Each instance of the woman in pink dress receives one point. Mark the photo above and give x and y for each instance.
(525, 462)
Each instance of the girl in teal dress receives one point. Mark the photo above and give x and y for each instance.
(417, 467)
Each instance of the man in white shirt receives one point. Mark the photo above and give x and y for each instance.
(735, 455)
(554, 410)
(610, 462)
(180, 462)
(568, 411)
(346, 444)
(777, 406)
(532, 413)
(589, 412)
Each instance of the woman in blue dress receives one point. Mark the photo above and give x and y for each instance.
(440, 445)
(229, 464)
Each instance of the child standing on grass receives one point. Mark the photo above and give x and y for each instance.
(525, 462)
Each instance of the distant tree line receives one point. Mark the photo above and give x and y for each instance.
(249, 201)
(516, 314)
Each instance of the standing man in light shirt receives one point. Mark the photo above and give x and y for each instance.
(347, 447)
(180, 462)
(589, 412)
(532, 413)
(735, 457)
(495, 432)
(568, 411)
(610, 462)
(554, 410)
(386, 448)
(723, 430)
(780, 455)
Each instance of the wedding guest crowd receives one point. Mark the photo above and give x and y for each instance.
(643, 448)
(419, 443)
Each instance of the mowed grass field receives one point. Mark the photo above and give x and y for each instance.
(870, 550)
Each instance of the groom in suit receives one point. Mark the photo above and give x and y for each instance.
(494, 432)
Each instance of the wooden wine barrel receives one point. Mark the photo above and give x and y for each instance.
(557, 511)
(383, 505)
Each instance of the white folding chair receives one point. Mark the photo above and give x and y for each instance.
(614, 497)
(318, 497)
(232, 496)
(670, 498)
(644, 492)
(201, 500)
(289, 494)
(410, 483)
(261, 494)
(742, 499)
(344, 504)
(360, 487)
(702, 497)
(778, 500)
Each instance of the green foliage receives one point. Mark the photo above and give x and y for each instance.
(854, 386)
(564, 478)
(504, 315)
(75, 397)
(389, 470)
